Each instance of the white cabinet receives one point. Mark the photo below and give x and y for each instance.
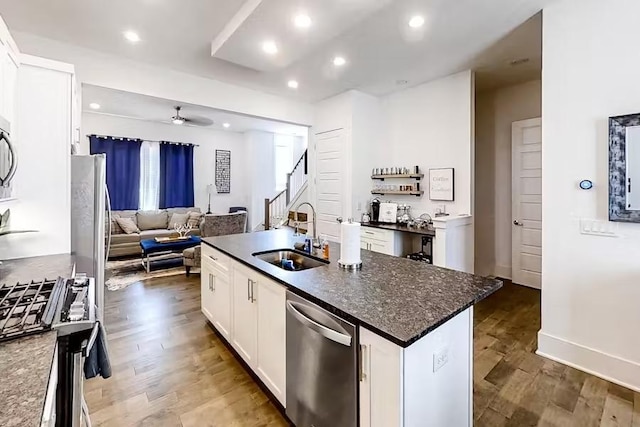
(380, 381)
(382, 241)
(245, 315)
(428, 383)
(271, 358)
(248, 310)
(216, 291)
(9, 63)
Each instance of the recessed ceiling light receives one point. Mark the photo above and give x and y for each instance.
(270, 47)
(339, 61)
(226, 125)
(94, 106)
(132, 36)
(302, 21)
(416, 21)
(293, 84)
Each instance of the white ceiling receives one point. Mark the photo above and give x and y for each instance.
(372, 34)
(142, 107)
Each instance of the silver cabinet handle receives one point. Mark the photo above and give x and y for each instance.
(518, 223)
(250, 290)
(211, 282)
(368, 232)
(326, 332)
(212, 258)
(363, 375)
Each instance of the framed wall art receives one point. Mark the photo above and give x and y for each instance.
(441, 184)
(223, 171)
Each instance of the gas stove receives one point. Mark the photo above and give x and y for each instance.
(67, 305)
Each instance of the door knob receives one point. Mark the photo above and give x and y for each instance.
(516, 222)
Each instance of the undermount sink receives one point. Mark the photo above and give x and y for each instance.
(290, 259)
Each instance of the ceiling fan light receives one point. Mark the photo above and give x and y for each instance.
(178, 121)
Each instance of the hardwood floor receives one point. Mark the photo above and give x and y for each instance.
(515, 387)
(170, 369)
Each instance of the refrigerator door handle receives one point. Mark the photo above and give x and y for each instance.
(109, 216)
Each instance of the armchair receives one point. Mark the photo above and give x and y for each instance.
(214, 225)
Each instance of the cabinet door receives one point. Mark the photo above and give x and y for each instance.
(244, 316)
(206, 287)
(381, 247)
(271, 357)
(9, 80)
(381, 381)
(221, 304)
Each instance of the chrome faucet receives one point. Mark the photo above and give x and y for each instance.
(315, 241)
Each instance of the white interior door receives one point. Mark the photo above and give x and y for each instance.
(526, 251)
(329, 182)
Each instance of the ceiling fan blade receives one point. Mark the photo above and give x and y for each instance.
(199, 121)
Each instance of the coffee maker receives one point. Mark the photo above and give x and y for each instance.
(375, 210)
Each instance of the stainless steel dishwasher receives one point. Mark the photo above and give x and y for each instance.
(321, 367)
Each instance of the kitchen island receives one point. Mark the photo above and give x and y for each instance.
(414, 323)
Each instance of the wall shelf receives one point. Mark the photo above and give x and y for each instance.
(397, 193)
(416, 176)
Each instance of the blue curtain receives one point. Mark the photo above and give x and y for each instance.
(176, 175)
(123, 169)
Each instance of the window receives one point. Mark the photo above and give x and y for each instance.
(149, 176)
(283, 159)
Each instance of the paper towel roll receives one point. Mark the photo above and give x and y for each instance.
(350, 243)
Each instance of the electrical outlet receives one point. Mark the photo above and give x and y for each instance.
(440, 358)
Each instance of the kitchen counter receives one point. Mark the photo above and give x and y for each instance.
(25, 363)
(396, 227)
(398, 299)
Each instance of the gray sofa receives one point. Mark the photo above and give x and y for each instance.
(151, 225)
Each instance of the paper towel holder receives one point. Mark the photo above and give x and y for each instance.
(348, 267)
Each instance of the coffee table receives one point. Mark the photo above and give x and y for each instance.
(154, 251)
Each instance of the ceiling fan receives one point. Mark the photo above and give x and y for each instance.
(192, 120)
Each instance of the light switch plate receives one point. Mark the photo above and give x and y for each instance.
(595, 227)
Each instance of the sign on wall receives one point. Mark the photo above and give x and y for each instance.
(223, 171)
(441, 184)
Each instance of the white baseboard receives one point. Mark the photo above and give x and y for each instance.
(606, 366)
(503, 271)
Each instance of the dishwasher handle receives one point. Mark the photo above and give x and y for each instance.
(326, 332)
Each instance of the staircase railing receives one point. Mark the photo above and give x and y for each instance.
(277, 207)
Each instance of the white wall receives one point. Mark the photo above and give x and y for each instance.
(496, 110)
(590, 285)
(431, 126)
(259, 166)
(115, 72)
(204, 155)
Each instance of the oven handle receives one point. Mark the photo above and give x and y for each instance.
(92, 340)
(326, 332)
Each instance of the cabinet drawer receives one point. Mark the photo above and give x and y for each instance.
(377, 234)
(215, 259)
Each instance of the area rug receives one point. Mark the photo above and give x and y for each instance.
(123, 273)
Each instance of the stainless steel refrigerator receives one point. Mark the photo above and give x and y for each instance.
(90, 220)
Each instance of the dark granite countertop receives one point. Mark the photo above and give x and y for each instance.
(399, 299)
(404, 229)
(25, 363)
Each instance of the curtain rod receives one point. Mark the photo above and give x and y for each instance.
(142, 139)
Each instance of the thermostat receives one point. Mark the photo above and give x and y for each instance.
(586, 184)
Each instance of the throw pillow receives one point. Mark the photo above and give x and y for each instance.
(127, 225)
(178, 219)
(194, 219)
(152, 220)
